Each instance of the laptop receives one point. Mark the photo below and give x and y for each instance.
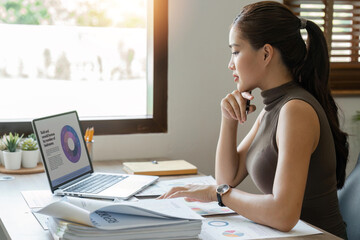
(69, 168)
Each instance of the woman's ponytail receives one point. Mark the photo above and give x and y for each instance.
(314, 77)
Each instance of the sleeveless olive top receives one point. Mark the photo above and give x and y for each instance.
(320, 205)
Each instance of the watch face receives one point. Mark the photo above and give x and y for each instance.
(223, 188)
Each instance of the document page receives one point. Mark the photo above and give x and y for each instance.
(208, 208)
(39, 198)
(242, 228)
(162, 187)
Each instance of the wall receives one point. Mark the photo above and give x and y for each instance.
(198, 79)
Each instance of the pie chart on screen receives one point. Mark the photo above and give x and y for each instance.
(70, 143)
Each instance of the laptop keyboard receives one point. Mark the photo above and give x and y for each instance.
(96, 184)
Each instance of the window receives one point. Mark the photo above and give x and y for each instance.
(340, 21)
(107, 59)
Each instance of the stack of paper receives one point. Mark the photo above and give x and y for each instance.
(77, 218)
(67, 230)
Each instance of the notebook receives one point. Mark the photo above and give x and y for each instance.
(69, 168)
(158, 168)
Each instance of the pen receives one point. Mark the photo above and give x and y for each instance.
(91, 134)
(248, 105)
(86, 134)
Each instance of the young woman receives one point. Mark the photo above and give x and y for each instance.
(295, 152)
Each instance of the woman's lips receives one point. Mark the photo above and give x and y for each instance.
(236, 78)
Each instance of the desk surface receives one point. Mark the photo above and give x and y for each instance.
(21, 224)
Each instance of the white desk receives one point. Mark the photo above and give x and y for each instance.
(20, 222)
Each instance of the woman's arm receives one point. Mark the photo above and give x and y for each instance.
(230, 160)
(298, 134)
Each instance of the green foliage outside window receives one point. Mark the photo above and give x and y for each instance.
(24, 12)
(52, 12)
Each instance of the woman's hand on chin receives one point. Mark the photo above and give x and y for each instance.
(236, 106)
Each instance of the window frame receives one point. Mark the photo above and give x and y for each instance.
(155, 123)
(344, 77)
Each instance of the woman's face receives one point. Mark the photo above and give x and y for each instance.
(245, 62)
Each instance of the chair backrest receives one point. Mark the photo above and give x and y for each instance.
(349, 200)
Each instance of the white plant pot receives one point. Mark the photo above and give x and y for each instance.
(1, 157)
(30, 158)
(12, 160)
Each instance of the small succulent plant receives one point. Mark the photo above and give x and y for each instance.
(33, 136)
(29, 144)
(2, 144)
(12, 141)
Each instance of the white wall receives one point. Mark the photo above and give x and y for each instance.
(198, 79)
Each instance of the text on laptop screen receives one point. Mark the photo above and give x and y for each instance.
(63, 148)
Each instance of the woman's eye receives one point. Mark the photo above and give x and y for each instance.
(235, 53)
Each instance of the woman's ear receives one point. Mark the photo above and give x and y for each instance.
(268, 52)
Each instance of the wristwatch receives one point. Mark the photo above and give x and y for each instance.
(220, 191)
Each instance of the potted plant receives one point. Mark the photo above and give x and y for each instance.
(12, 156)
(30, 152)
(2, 148)
(33, 136)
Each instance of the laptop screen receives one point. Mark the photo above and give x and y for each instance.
(62, 148)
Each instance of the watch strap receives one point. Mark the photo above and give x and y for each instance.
(221, 204)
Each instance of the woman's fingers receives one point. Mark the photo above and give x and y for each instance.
(247, 95)
(236, 105)
(252, 108)
(234, 100)
(203, 193)
(171, 192)
(227, 109)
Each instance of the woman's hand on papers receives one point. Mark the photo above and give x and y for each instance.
(191, 193)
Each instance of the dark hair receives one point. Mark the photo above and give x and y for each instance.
(273, 23)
